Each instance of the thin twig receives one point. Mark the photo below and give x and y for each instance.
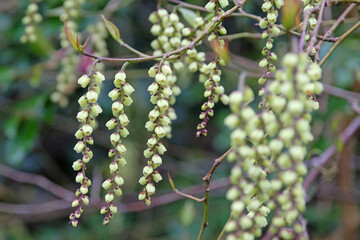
(57, 205)
(328, 33)
(207, 180)
(317, 26)
(323, 159)
(224, 228)
(337, 43)
(175, 53)
(183, 194)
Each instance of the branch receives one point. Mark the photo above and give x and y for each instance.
(51, 206)
(175, 53)
(332, 29)
(183, 194)
(337, 43)
(37, 180)
(207, 180)
(323, 159)
(317, 26)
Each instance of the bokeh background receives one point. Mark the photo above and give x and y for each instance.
(37, 135)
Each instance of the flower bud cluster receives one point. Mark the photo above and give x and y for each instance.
(157, 124)
(99, 34)
(167, 28)
(121, 97)
(310, 4)
(213, 92)
(30, 21)
(270, 7)
(86, 117)
(251, 154)
(291, 99)
(66, 78)
(171, 83)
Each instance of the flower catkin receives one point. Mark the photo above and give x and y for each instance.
(275, 142)
(86, 117)
(120, 96)
(157, 124)
(270, 7)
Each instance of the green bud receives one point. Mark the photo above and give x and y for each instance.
(109, 197)
(79, 147)
(107, 184)
(98, 77)
(156, 176)
(119, 180)
(245, 222)
(92, 96)
(84, 80)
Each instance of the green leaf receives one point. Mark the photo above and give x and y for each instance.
(112, 29)
(187, 213)
(189, 16)
(16, 149)
(74, 41)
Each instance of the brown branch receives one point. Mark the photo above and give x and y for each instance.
(207, 180)
(337, 43)
(37, 180)
(332, 29)
(323, 159)
(183, 194)
(57, 205)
